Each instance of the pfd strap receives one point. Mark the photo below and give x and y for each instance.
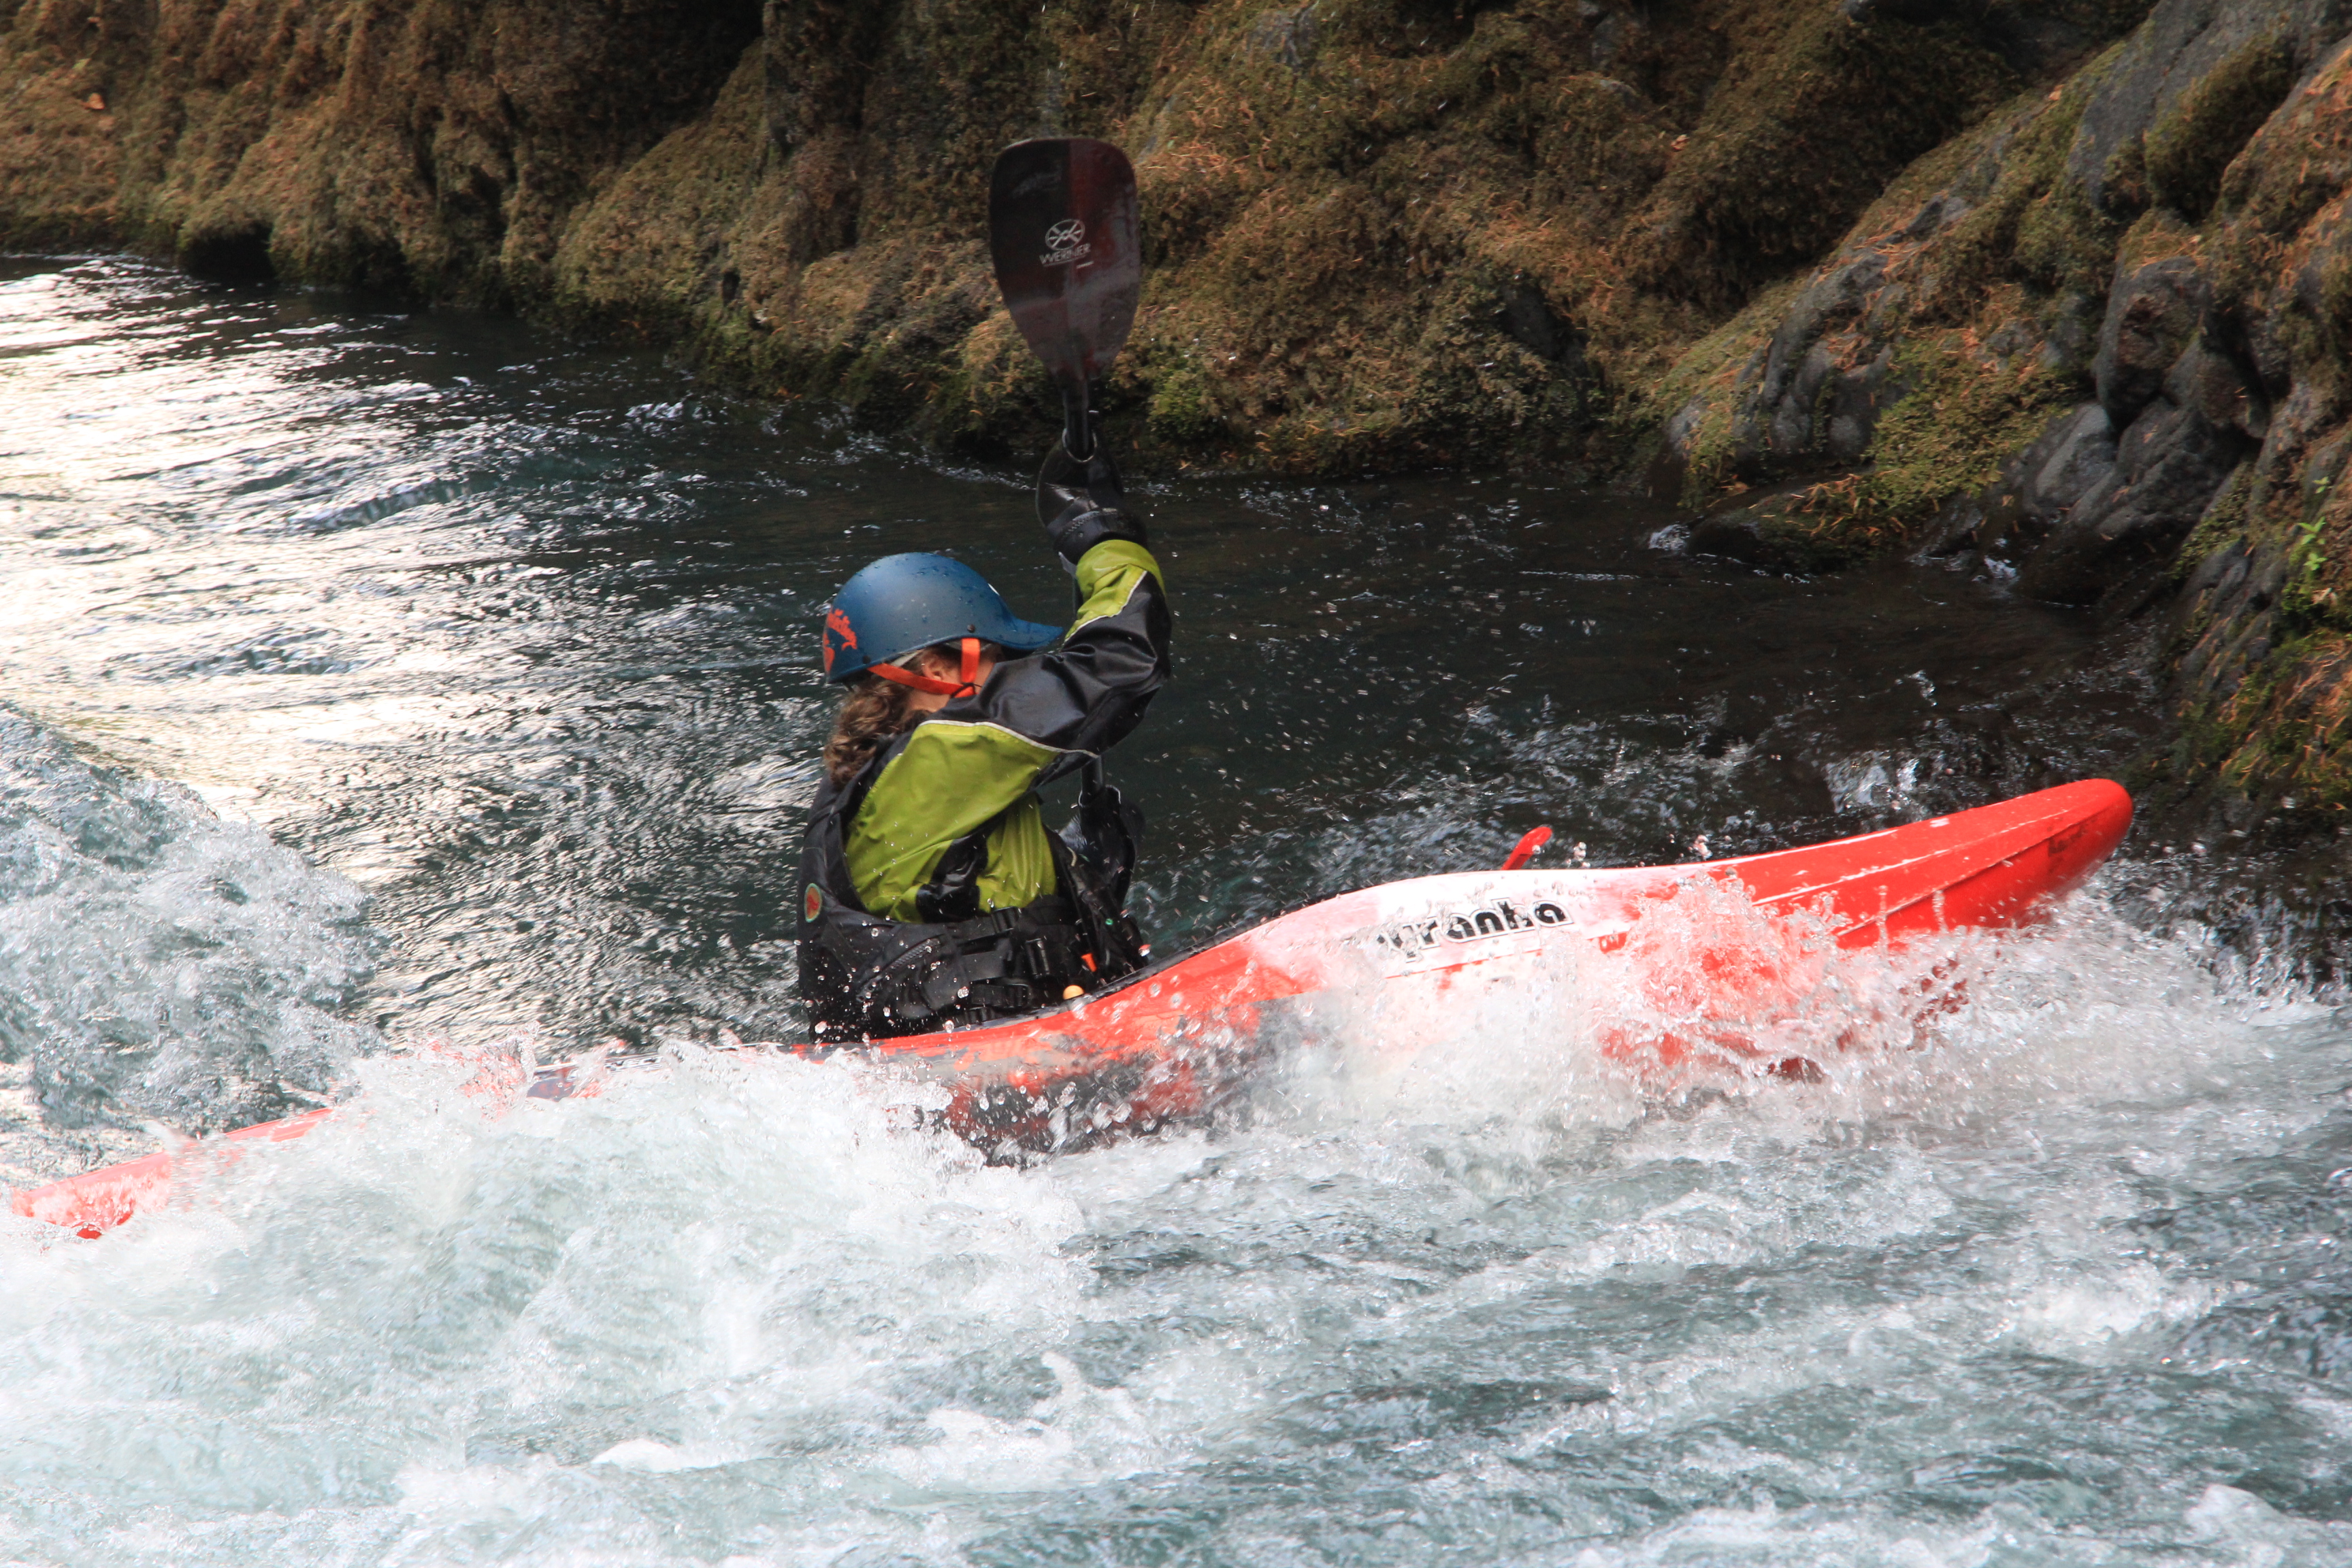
(969, 671)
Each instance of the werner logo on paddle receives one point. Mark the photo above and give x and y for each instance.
(1417, 940)
(1066, 242)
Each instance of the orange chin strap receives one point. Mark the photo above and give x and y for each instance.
(970, 671)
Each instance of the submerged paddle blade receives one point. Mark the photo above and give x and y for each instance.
(1064, 235)
(1524, 850)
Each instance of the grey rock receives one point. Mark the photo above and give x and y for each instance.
(2222, 392)
(1791, 429)
(1976, 521)
(2266, 582)
(1855, 401)
(1608, 41)
(2180, 42)
(2301, 425)
(2169, 466)
(1744, 534)
(1684, 426)
(1828, 372)
(2331, 250)
(2152, 314)
(2219, 572)
(1625, 93)
(2033, 37)
(1669, 467)
(2225, 593)
(2076, 454)
(2070, 333)
(2272, 361)
(1781, 415)
(1934, 216)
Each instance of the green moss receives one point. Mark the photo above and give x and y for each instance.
(2272, 194)
(2327, 332)
(1712, 371)
(2063, 242)
(2033, 227)
(2188, 150)
(1180, 413)
(1947, 437)
(2285, 728)
(1793, 149)
(2224, 524)
(2125, 179)
(1796, 540)
(2317, 535)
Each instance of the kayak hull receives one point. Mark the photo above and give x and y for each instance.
(1654, 967)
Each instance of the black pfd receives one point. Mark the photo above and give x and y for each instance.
(866, 977)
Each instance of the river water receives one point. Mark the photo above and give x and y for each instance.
(383, 694)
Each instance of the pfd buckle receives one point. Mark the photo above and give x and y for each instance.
(1036, 958)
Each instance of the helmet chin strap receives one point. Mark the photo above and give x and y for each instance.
(971, 672)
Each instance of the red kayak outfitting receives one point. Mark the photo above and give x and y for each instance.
(1657, 967)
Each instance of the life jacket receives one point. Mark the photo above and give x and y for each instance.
(866, 977)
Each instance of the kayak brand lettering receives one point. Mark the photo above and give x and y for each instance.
(1413, 938)
(1065, 243)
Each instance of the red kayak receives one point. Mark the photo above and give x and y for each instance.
(1725, 964)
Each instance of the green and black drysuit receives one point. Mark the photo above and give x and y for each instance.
(931, 892)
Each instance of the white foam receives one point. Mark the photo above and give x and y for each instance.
(452, 1315)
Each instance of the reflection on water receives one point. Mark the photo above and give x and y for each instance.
(375, 678)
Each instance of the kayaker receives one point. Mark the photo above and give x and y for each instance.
(931, 894)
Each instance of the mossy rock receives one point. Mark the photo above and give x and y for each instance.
(1182, 412)
(2189, 150)
(1793, 151)
(1773, 534)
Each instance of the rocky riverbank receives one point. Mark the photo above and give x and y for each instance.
(2099, 343)
(2056, 289)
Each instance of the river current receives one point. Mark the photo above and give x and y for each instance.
(388, 698)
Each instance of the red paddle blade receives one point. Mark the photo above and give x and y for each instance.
(1524, 850)
(1063, 233)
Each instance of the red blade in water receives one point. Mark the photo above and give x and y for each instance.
(1524, 850)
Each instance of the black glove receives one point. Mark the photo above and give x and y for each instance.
(1082, 504)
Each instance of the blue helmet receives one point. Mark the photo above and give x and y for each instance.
(902, 603)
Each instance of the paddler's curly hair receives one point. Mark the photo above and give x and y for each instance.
(876, 712)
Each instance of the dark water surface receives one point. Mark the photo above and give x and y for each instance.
(372, 679)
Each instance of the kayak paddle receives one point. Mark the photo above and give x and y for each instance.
(1525, 849)
(1067, 247)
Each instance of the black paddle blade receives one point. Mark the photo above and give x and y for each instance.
(1063, 232)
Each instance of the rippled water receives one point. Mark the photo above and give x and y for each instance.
(376, 680)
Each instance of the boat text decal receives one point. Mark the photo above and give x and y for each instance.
(1414, 938)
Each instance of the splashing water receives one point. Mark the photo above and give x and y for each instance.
(505, 637)
(157, 961)
(1984, 1301)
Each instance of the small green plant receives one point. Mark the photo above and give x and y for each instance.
(2224, 522)
(2305, 560)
